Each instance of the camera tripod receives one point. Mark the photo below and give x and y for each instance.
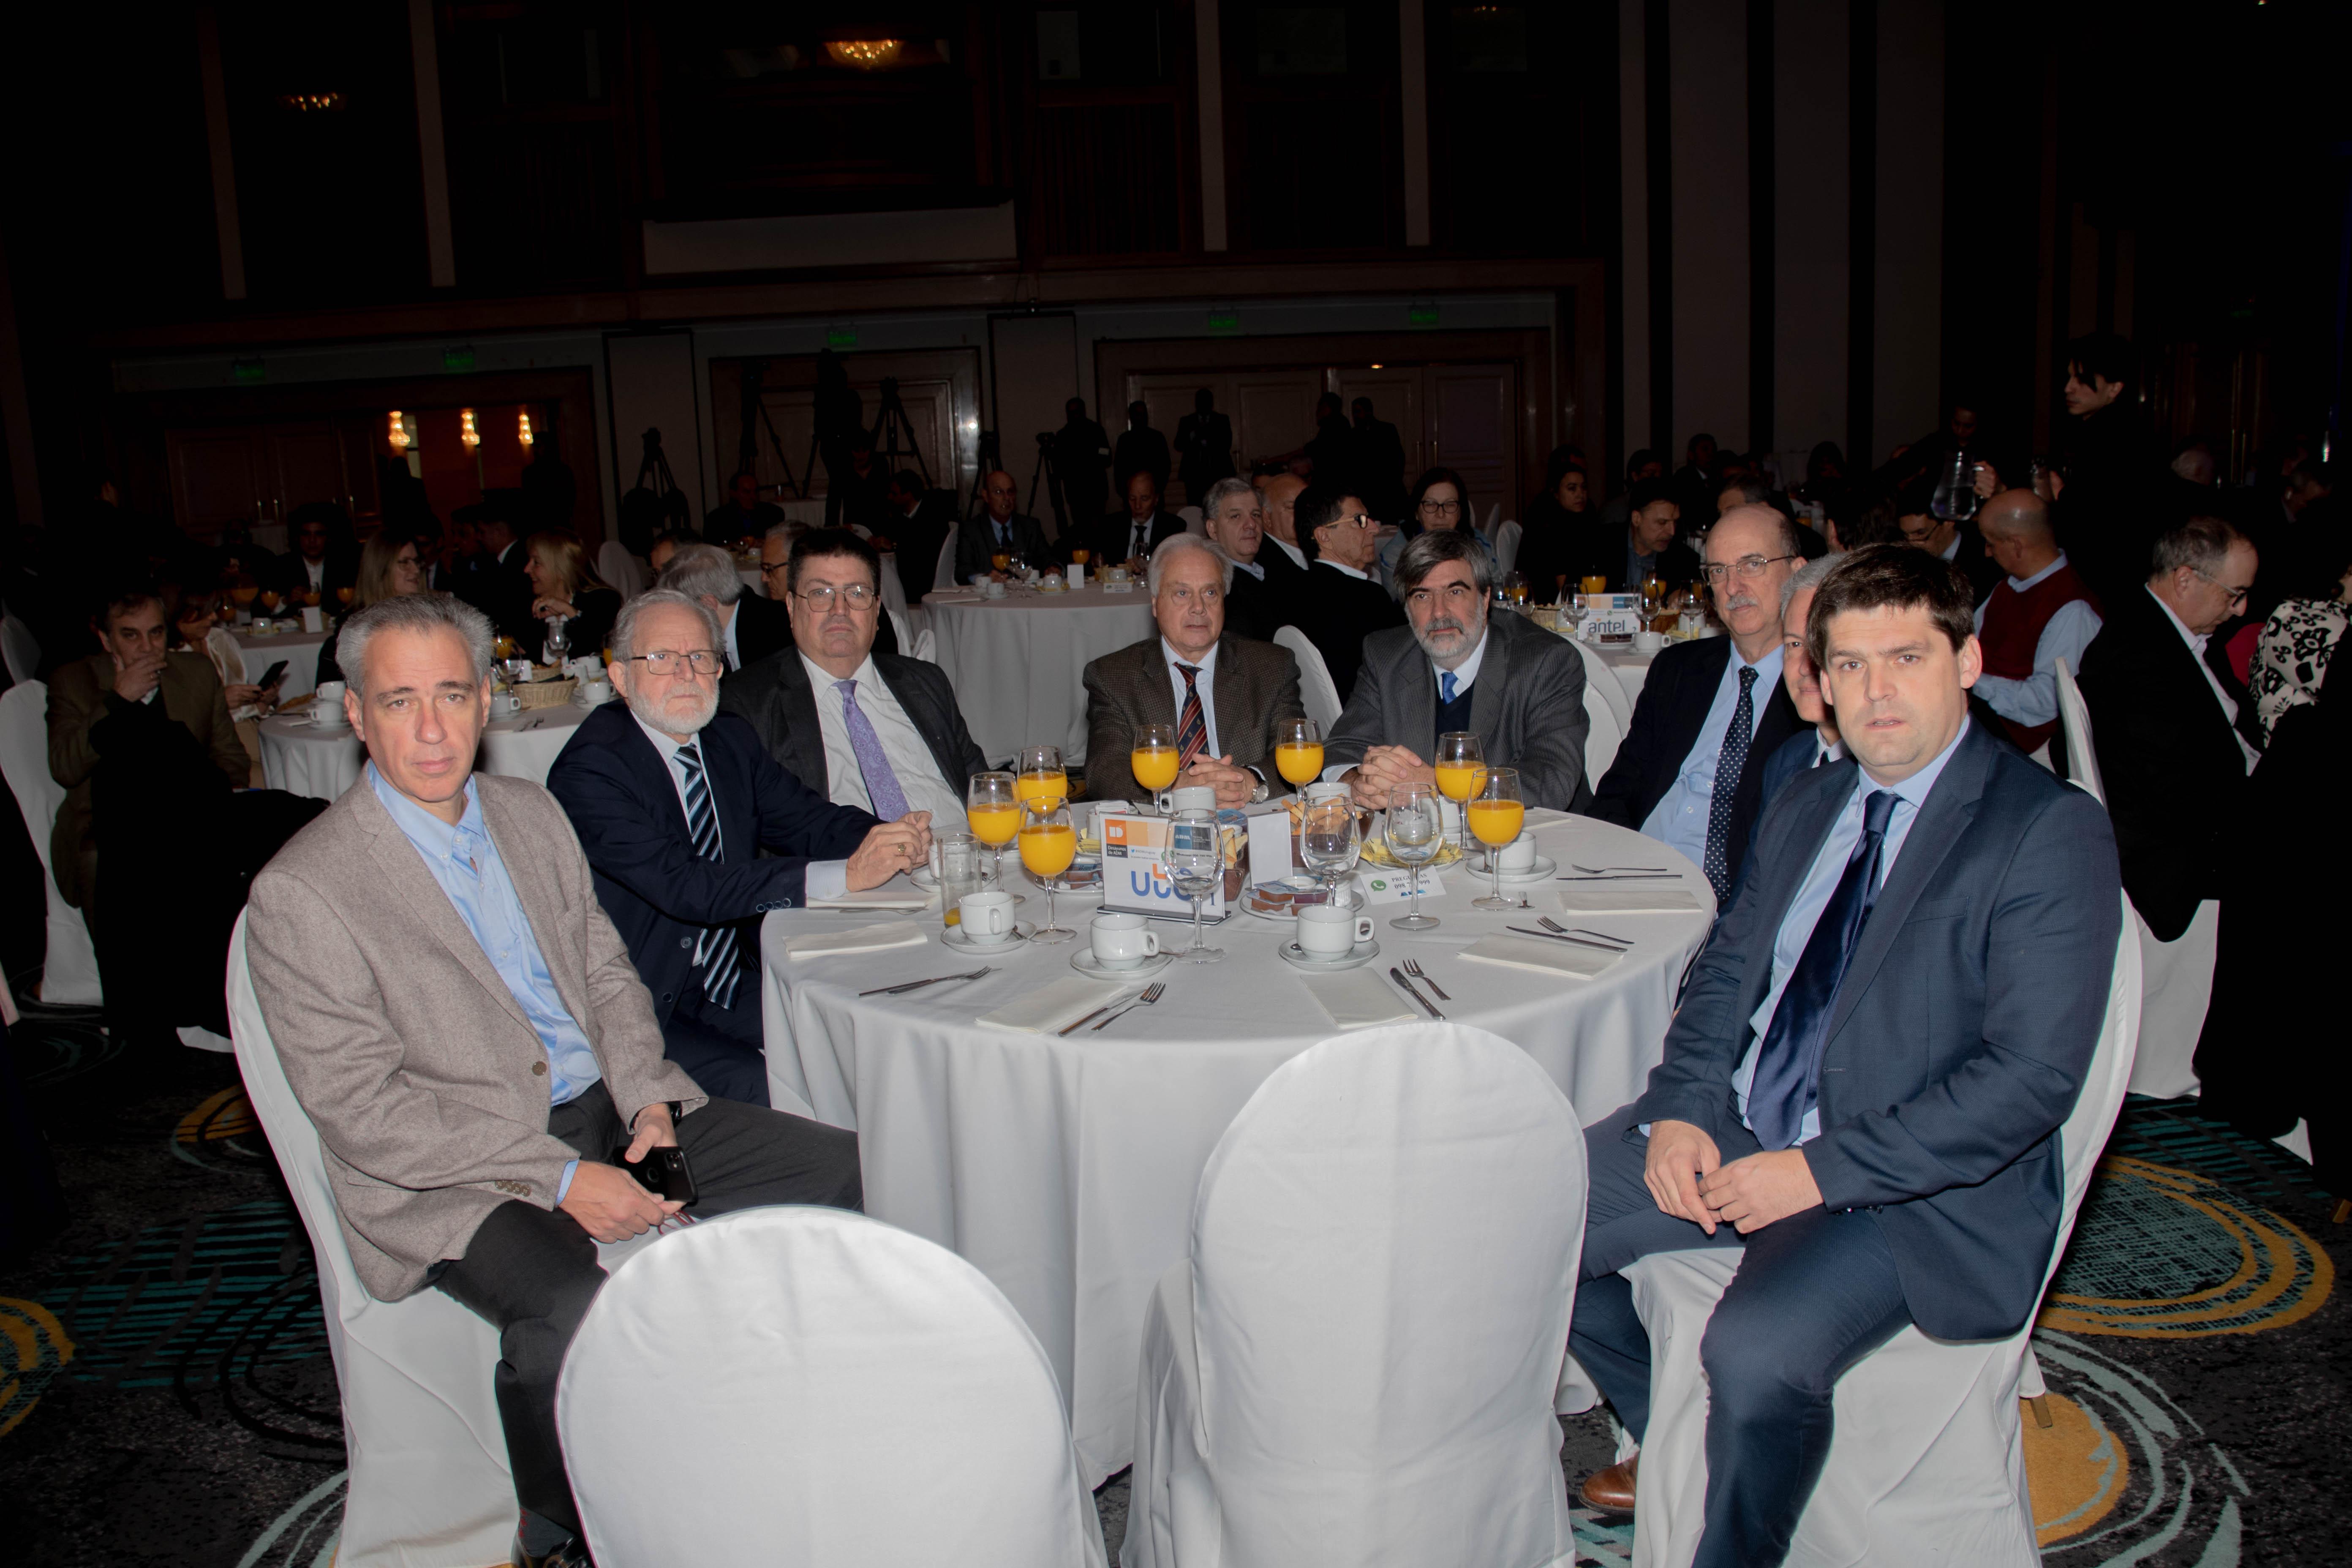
(1052, 476)
(755, 419)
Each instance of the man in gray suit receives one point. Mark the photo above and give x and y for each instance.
(1224, 694)
(1519, 688)
(907, 749)
(463, 1026)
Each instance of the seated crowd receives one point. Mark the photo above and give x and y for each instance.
(1866, 765)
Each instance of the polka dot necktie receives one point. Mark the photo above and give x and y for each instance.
(1728, 764)
(1193, 725)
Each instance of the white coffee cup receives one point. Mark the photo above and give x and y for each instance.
(1327, 932)
(1649, 642)
(505, 704)
(1520, 854)
(1122, 942)
(984, 918)
(995, 589)
(1186, 797)
(327, 708)
(980, 581)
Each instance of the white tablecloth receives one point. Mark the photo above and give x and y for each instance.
(1633, 669)
(1064, 1168)
(298, 755)
(298, 650)
(1016, 662)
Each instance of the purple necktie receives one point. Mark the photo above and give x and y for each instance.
(881, 783)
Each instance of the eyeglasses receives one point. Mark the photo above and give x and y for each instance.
(2237, 596)
(1748, 568)
(857, 596)
(768, 566)
(1362, 519)
(1458, 595)
(665, 661)
(1442, 508)
(1209, 593)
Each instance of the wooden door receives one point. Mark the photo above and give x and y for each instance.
(216, 479)
(302, 463)
(1274, 410)
(1470, 429)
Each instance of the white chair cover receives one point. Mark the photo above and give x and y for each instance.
(806, 1386)
(926, 647)
(905, 633)
(1356, 1366)
(943, 575)
(1925, 1465)
(69, 971)
(1193, 520)
(1493, 510)
(620, 569)
(2178, 984)
(1609, 717)
(1316, 688)
(1507, 534)
(20, 648)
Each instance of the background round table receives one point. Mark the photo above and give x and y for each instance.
(298, 650)
(1064, 1168)
(1016, 663)
(298, 755)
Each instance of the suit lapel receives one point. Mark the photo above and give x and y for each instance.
(1155, 686)
(1233, 701)
(408, 883)
(1688, 711)
(926, 717)
(1810, 826)
(1487, 692)
(803, 755)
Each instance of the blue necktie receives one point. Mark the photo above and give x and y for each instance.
(1788, 1065)
(716, 953)
(1729, 762)
(1445, 686)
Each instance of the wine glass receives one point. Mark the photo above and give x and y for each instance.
(991, 808)
(1044, 782)
(1299, 751)
(559, 640)
(1515, 589)
(1153, 758)
(1195, 862)
(1459, 759)
(1413, 835)
(1049, 843)
(1000, 559)
(1330, 840)
(1496, 815)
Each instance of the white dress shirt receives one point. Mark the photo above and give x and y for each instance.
(1350, 571)
(2197, 641)
(1680, 817)
(317, 572)
(1252, 567)
(2033, 698)
(910, 756)
(1206, 684)
(821, 879)
(727, 620)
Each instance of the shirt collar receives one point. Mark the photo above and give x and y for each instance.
(1206, 664)
(2023, 583)
(1915, 788)
(1467, 670)
(668, 748)
(434, 838)
(1252, 567)
(1767, 669)
(1350, 571)
(1953, 549)
(2195, 641)
(824, 680)
(1288, 548)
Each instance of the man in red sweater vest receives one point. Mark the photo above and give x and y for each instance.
(2042, 613)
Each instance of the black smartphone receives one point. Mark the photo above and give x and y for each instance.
(664, 1172)
(270, 680)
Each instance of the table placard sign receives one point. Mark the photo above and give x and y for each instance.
(1135, 882)
(1382, 885)
(1269, 846)
(1613, 617)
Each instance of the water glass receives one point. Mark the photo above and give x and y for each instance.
(1413, 834)
(956, 866)
(1195, 862)
(1330, 840)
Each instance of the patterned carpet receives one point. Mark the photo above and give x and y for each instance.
(166, 1395)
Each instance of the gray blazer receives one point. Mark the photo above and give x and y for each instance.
(775, 697)
(1526, 706)
(426, 1081)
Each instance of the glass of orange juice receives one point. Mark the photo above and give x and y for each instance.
(1044, 782)
(1460, 762)
(1049, 842)
(1001, 560)
(1153, 758)
(1496, 815)
(1080, 555)
(992, 806)
(1299, 751)
(1595, 584)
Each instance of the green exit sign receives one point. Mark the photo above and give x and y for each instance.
(1225, 323)
(457, 359)
(247, 371)
(841, 337)
(1421, 313)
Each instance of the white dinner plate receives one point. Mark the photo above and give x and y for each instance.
(1543, 866)
(953, 936)
(1082, 961)
(1364, 953)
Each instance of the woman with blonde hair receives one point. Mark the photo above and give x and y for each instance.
(563, 582)
(390, 565)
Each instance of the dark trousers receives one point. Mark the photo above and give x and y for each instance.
(533, 1271)
(722, 1050)
(1815, 1293)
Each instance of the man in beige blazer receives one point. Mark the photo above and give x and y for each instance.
(462, 1023)
(1222, 695)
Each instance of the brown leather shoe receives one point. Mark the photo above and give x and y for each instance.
(1610, 1490)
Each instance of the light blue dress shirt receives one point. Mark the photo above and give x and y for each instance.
(1814, 896)
(465, 860)
(1680, 817)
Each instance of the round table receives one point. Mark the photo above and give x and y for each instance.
(1016, 663)
(1064, 1168)
(300, 756)
(298, 650)
(1631, 667)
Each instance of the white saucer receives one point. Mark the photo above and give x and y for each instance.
(1242, 904)
(341, 723)
(1543, 866)
(1082, 961)
(922, 877)
(953, 936)
(1364, 953)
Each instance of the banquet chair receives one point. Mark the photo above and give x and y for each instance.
(2178, 984)
(1608, 717)
(1316, 690)
(1507, 534)
(20, 648)
(898, 624)
(620, 569)
(802, 1385)
(1925, 1465)
(69, 970)
(943, 575)
(926, 647)
(1355, 1364)
(429, 1485)
(1193, 520)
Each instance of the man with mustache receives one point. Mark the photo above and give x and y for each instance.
(1516, 687)
(1690, 773)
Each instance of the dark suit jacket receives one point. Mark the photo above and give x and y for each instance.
(1789, 759)
(2175, 778)
(1526, 706)
(1338, 612)
(659, 894)
(500, 591)
(917, 536)
(1204, 447)
(976, 542)
(762, 626)
(342, 570)
(1602, 554)
(775, 697)
(1256, 687)
(1667, 721)
(1960, 1037)
(1251, 608)
(1109, 539)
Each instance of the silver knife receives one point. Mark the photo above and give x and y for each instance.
(1093, 1015)
(1579, 942)
(1426, 1005)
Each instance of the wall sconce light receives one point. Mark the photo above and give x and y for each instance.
(522, 429)
(396, 435)
(467, 436)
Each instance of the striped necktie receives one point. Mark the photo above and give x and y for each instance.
(1193, 725)
(716, 954)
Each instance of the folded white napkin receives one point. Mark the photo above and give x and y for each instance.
(897, 893)
(1049, 1008)
(1359, 998)
(856, 938)
(1625, 899)
(1538, 953)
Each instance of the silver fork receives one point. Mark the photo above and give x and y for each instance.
(1551, 925)
(1412, 967)
(1604, 870)
(1151, 994)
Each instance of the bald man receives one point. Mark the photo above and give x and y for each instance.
(2040, 613)
(999, 529)
(1284, 554)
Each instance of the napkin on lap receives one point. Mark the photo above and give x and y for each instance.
(1629, 898)
(1544, 956)
(1359, 998)
(1049, 1008)
(856, 938)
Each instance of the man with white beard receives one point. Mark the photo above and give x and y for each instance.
(673, 803)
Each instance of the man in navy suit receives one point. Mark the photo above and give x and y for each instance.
(673, 802)
(1816, 742)
(1864, 1082)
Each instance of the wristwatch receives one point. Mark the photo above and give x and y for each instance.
(1259, 793)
